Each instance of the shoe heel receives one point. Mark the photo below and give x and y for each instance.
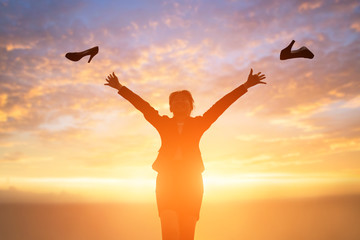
(91, 57)
(93, 52)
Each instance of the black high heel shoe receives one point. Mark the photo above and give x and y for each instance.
(76, 56)
(302, 52)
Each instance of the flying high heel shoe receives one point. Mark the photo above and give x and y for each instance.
(302, 52)
(76, 56)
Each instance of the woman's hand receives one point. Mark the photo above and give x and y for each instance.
(113, 81)
(254, 79)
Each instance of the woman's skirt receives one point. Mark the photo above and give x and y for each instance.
(181, 193)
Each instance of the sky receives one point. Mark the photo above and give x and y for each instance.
(64, 136)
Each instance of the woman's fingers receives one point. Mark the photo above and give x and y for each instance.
(256, 78)
(109, 78)
(262, 77)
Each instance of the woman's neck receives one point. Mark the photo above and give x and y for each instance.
(180, 118)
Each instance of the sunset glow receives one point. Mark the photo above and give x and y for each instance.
(65, 137)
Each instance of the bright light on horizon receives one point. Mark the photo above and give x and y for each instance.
(217, 188)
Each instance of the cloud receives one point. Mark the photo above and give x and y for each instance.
(308, 107)
(353, 103)
(22, 25)
(355, 26)
(306, 6)
(11, 157)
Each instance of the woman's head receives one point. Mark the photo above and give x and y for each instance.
(181, 102)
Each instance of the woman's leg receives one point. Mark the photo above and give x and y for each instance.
(191, 203)
(169, 225)
(187, 227)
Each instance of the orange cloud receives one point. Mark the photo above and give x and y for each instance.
(309, 6)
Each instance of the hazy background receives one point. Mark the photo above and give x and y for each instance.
(326, 218)
(67, 138)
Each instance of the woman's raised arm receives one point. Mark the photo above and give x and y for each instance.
(221, 105)
(150, 114)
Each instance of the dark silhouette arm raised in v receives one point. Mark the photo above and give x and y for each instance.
(150, 114)
(210, 116)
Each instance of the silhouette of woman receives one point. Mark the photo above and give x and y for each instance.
(179, 184)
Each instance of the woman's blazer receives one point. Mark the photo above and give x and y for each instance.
(187, 143)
